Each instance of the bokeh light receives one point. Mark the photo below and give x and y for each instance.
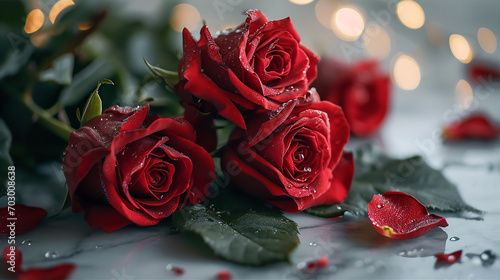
(460, 48)
(58, 8)
(185, 15)
(347, 23)
(377, 41)
(406, 72)
(411, 14)
(86, 25)
(34, 21)
(487, 40)
(463, 94)
(324, 10)
(301, 2)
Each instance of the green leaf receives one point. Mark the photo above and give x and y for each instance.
(171, 78)
(62, 72)
(93, 107)
(82, 82)
(5, 159)
(239, 230)
(376, 173)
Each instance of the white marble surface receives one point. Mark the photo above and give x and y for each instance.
(354, 249)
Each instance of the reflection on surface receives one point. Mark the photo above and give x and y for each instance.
(486, 258)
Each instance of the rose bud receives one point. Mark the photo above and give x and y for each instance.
(257, 65)
(360, 89)
(123, 167)
(476, 126)
(293, 160)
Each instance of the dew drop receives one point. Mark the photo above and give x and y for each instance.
(454, 238)
(314, 244)
(307, 169)
(98, 247)
(380, 206)
(27, 242)
(289, 186)
(51, 254)
(413, 220)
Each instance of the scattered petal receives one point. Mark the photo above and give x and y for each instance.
(59, 272)
(401, 216)
(449, 258)
(224, 275)
(476, 126)
(175, 269)
(27, 218)
(323, 261)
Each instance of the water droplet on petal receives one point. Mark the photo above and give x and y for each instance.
(454, 238)
(314, 244)
(380, 206)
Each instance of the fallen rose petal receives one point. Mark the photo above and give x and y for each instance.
(27, 218)
(401, 216)
(473, 127)
(12, 258)
(59, 272)
(449, 258)
(224, 275)
(481, 72)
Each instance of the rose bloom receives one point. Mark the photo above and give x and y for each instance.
(360, 89)
(295, 159)
(125, 167)
(258, 65)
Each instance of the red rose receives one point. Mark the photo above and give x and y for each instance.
(294, 160)
(260, 64)
(123, 167)
(360, 89)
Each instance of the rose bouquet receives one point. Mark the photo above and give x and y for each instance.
(263, 132)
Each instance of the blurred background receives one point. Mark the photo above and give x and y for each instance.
(57, 50)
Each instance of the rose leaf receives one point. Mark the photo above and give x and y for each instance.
(171, 78)
(62, 72)
(93, 107)
(377, 173)
(248, 235)
(5, 159)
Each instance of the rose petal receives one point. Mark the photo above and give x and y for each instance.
(59, 272)
(401, 216)
(449, 258)
(476, 126)
(27, 218)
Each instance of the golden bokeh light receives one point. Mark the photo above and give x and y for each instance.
(487, 40)
(301, 2)
(347, 23)
(185, 15)
(410, 13)
(40, 39)
(86, 25)
(460, 48)
(463, 94)
(406, 72)
(58, 8)
(34, 21)
(324, 10)
(377, 41)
